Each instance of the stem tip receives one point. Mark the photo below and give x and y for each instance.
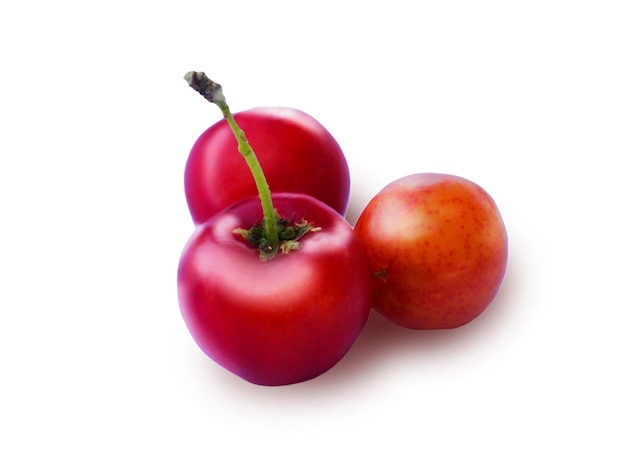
(209, 89)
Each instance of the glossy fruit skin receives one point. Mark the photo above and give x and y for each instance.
(296, 152)
(438, 248)
(278, 322)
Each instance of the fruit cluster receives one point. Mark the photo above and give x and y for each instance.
(277, 286)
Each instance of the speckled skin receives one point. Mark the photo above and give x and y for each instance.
(437, 246)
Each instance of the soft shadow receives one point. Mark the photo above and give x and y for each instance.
(378, 348)
(382, 343)
(359, 198)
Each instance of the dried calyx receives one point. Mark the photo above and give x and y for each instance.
(289, 234)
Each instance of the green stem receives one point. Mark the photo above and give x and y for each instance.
(212, 92)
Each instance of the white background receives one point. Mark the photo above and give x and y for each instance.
(98, 373)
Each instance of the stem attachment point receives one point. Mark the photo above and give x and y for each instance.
(289, 234)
